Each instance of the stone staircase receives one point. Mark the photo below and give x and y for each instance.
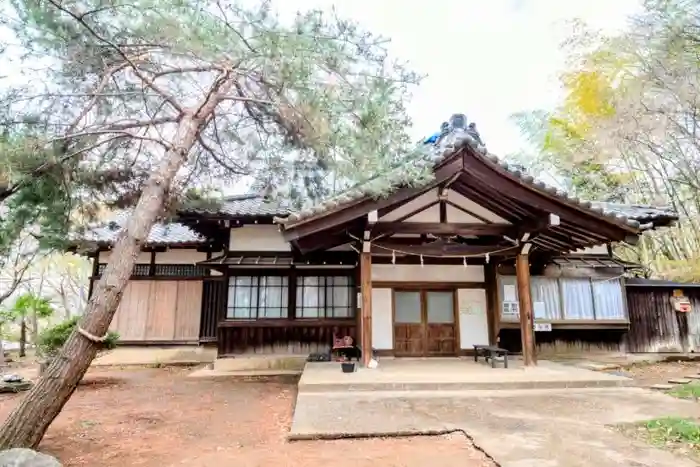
(673, 382)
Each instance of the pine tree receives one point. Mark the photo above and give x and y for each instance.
(142, 101)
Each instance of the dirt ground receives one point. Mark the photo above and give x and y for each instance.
(648, 374)
(158, 417)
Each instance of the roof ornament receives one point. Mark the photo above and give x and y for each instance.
(457, 124)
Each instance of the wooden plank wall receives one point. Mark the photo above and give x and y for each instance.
(213, 308)
(167, 311)
(656, 327)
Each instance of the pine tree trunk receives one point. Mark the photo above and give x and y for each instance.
(27, 424)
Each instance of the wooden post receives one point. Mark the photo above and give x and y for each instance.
(366, 312)
(522, 272)
(493, 312)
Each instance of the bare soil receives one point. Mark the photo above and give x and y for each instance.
(159, 417)
(647, 374)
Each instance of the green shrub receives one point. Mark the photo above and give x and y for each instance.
(52, 339)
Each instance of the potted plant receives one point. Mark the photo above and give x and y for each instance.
(52, 339)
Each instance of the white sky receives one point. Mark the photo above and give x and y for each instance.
(485, 59)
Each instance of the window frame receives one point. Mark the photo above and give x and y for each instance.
(562, 305)
(255, 286)
(295, 278)
(350, 287)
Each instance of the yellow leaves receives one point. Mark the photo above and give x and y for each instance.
(589, 95)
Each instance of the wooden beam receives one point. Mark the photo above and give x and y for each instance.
(366, 312)
(522, 272)
(438, 228)
(443, 249)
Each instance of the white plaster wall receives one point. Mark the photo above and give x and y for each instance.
(427, 273)
(455, 215)
(382, 319)
(175, 256)
(473, 325)
(143, 257)
(594, 250)
(411, 206)
(258, 238)
(431, 214)
(475, 208)
(189, 256)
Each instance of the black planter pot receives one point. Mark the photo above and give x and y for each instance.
(348, 367)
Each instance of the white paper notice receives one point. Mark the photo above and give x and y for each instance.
(539, 310)
(509, 293)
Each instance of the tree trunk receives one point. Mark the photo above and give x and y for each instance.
(35, 326)
(27, 424)
(23, 337)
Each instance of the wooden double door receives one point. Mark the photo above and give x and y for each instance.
(424, 323)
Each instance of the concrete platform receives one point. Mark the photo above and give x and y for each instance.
(451, 375)
(166, 355)
(532, 428)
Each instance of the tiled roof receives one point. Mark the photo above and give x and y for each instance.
(642, 282)
(247, 205)
(639, 212)
(447, 145)
(161, 234)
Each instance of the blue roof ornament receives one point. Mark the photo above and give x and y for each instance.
(457, 123)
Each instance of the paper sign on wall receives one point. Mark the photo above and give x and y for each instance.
(467, 305)
(509, 293)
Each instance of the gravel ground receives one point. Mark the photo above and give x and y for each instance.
(158, 417)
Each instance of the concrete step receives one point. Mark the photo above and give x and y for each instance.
(261, 363)
(678, 381)
(461, 386)
(662, 387)
(243, 374)
(692, 377)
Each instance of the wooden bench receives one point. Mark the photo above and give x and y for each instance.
(490, 352)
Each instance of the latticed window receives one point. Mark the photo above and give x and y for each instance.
(139, 269)
(325, 297)
(258, 297)
(181, 270)
(161, 270)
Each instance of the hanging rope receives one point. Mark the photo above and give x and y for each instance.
(91, 337)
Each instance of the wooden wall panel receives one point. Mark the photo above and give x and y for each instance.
(188, 310)
(153, 311)
(132, 324)
(161, 312)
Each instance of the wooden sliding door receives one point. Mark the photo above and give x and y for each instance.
(424, 323)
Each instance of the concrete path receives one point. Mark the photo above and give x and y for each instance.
(517, 428)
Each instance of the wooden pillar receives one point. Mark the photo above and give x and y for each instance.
(493, 312)
(366, 312)
(522, 272)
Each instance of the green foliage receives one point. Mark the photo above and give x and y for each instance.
(52, 339)
(28, 305)
(686, 391)
(674, 430)
(627, 129)
(318, 104)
